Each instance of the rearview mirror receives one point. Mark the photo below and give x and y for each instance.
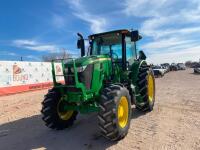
(80, 43)
(135, 36)
(142, 56)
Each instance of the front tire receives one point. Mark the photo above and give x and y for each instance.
(53, 115)
(115, 114)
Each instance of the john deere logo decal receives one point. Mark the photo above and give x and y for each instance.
(58, 69)
(16, 69)
(18, 74)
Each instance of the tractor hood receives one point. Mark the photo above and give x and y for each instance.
(83, 61)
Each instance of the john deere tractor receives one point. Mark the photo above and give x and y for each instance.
(109, 78)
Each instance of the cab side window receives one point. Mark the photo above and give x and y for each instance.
(130, 50)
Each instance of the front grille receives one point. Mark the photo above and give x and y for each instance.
(85, 77)
(69, 78)
(73, 89)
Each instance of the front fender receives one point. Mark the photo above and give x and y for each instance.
(135, 70)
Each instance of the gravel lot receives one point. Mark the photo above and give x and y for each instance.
(174, 123)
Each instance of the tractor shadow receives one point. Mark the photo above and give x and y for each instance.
(31, 133)
(137, 113)
(195, 73)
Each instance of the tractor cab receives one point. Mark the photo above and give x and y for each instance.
(119, 45)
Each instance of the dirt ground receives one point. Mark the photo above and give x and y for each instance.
(173, 124)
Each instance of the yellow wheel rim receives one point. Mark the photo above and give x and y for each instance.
(66, 115)
(150, 88)
(123, 112)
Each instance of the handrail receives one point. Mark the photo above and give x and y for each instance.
(77, 83)
(63, 67)
(61, 59)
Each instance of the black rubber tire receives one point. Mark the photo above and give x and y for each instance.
(143, 85)
(108, 115)
(49, 112)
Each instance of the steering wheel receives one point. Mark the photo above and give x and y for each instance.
(113, 53)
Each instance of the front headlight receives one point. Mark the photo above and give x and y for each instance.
(81, 69)
(72, 69)
(66, 70)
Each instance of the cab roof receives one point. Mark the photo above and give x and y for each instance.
(121, 31)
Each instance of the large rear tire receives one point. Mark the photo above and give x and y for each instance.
(146, 85)
(115, 114)
(53, 114)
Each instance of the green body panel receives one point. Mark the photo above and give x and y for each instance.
(85, 108)
(88, 98)
(85, 98)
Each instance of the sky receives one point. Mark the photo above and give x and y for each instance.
(31, 29)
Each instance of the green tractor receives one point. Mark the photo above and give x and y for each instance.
(109, 79)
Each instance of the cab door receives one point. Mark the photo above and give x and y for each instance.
(130, 50)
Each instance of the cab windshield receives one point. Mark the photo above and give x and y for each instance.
(106, 44)
(112, 43)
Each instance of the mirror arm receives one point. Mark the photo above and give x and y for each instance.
(80, 35)
(135, 50)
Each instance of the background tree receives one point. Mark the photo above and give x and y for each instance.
(188, 63)
(191, 64)
(62, 54)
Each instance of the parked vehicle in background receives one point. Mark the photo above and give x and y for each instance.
(165, 68)
(195, 65)
(181, 66)
(197, 68)
(173, 67)
(166, 65)
(158, 71)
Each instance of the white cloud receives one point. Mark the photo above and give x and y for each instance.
(165, 15)
(167, 43)
(7, 53)
(172, 25)
(144, 8)
(192, 54)
(97, 23)
(178, 32)
(34, 45)
(58, 21)
(12, 54)
(24, 42)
